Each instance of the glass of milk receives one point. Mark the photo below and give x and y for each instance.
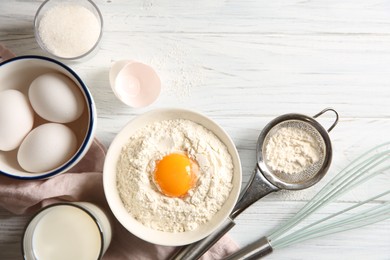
(74, 230)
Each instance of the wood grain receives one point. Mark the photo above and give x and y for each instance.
(243, 63)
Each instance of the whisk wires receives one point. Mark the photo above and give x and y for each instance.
(362, 169)
(319, 228)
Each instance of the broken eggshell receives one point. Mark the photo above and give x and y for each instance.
(134, 83)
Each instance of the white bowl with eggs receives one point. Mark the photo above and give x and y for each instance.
(113, 182)
(47, 118)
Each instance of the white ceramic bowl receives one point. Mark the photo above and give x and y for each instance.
(115, 202)
(17, 73)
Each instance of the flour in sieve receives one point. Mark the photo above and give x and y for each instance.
(136, 166)
(291, 150)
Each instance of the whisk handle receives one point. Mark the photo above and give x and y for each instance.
(197, 249)
(256, 250)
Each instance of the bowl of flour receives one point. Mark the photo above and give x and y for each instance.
(144, 193)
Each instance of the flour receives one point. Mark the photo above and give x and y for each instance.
(291, 150)
(137, 163)
(69, 30)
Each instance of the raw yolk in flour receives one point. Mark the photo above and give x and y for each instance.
(175, 174)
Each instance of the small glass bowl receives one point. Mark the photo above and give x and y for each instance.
(49, 4)
(63, 219)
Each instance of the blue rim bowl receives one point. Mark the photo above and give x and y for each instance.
(17, 73)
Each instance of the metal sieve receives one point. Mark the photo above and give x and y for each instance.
(311, 174)
(265, 180)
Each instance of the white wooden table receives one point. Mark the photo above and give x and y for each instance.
(242, 63)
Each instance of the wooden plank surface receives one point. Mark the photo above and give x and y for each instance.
(242, 63)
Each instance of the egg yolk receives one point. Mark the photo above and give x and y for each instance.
(175, 174)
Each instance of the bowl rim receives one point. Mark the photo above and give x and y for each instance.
(91, 126)
(42, 45)
(116, 205)
(46, 209)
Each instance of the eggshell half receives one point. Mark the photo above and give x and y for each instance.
(47, 147)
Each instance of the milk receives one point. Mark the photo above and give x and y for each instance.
(66, 231)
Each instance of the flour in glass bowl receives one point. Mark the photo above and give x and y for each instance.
(141, 196)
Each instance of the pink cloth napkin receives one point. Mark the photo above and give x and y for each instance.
(5, 53)
(84, 183)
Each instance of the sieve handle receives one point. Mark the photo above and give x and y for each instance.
(326, 110)
(257, 187)
(196, 250)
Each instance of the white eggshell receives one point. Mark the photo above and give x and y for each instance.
(47, 147)
(16, 119)
(56, 98)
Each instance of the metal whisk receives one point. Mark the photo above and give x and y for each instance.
(374, 162)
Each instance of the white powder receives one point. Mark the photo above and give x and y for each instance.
(136, 166)
(69, 30)
(183, 71)
(292, 150)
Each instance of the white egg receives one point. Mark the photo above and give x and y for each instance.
(56, 98)
(47, 147)
(16, 119)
